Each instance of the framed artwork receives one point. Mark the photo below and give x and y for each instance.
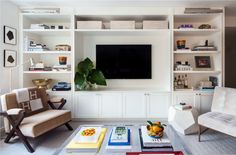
(203, 61)
(9, 35)
(9, 58)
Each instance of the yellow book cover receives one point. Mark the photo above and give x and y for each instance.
(75, 146)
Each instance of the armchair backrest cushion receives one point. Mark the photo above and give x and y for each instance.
(224, 100)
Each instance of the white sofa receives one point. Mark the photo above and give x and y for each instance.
(222, 117)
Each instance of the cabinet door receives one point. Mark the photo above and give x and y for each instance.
(188, 98)
(205, 102)
(134, 105)
(158, 104)
(86, 105)
(111, 105)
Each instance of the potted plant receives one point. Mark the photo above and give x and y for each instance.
(87, 76)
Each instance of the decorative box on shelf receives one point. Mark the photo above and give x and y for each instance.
(155, 24)
(89, 24)
(122, 24)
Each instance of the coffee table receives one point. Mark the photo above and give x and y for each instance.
(176, 142)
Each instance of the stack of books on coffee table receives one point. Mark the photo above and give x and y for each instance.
(88, 139)
(119, 139)
(150, 144)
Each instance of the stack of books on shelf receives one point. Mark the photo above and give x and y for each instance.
(119, 139)
(38, 47)
(88, 139)
(183, 106)
(150, 144)
(61, 68)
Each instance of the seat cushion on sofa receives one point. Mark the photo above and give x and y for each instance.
(225, 123)
(40, 123)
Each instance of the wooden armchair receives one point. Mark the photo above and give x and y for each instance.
(31, 118)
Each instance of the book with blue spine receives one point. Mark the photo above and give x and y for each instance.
(120, 136)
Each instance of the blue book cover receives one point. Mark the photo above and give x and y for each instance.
(119, 143)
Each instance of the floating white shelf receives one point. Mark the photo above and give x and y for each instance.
(196, 52)
(197, 72)
(47, 52)
(44, 32)
(121, 31)
(47, 72)
(191, 32)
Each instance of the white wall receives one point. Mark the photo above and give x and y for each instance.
(8, 16)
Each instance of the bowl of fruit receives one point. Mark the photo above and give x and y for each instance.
(155, 129)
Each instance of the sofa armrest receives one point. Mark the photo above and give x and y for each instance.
(12, 112)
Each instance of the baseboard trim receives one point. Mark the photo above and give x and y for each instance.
(117, 119)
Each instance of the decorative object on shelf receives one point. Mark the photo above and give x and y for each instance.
(181, 44)
(41, 10)
(206, 84)
(63, 47)
(155, 129)
(87, 76)
(62, 60)
(42, 83)
(9, 58)
(183, 66)
(181, 83)
(39, 26)
(201, 10)
(204, 47)
(205, 26)
(37, 47)
(118, 24)
(89, 25)
(214, 80)
(9, 35)
(155, 24)
(203, 61)
(61, 68)
(186, 26)
(62, 86)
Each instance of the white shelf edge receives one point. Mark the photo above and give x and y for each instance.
(197, 72)
(196, 30)
(47, 52)
(196, 52)
(47, 30)
(118, 30)
(47, 72)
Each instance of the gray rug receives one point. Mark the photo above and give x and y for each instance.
(213, 143)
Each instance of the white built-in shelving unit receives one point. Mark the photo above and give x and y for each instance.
(120, 98)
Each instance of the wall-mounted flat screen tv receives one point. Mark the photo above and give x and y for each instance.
(125, 61)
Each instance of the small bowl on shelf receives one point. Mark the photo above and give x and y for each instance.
(42, 83)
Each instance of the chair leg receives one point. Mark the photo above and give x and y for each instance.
(68, 126)
(9, 135)
(24, 141)
(199, 133)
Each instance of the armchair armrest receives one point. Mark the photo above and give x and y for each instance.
(11, 112)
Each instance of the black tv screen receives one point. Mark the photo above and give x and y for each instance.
(124, 61)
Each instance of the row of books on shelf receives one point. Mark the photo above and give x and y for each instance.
(90, 139)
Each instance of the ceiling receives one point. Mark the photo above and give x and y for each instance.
(229, 4)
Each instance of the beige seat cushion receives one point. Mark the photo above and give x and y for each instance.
(40, 123)
(225, 123)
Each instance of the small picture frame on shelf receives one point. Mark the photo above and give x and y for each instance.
(9, 58)
(202, 61)
(9, 35)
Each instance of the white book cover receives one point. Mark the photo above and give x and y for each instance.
(80, 138)
(119, 137)
(128, 147)
(149, 140)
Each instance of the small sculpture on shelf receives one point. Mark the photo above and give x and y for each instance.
(42, 83)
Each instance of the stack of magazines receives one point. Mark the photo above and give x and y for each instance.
(119, 139)
(88, 139)
(150, 144)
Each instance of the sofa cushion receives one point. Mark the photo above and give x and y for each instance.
(224, 100)
(40, 123)
(225, 123)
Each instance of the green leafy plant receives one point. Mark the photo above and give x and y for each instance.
(87, 76)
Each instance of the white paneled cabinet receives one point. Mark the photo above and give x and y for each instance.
(111, 105)
(158, 105)
(202, 101)
(134, 105)
(86, 105)
(121, 105)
